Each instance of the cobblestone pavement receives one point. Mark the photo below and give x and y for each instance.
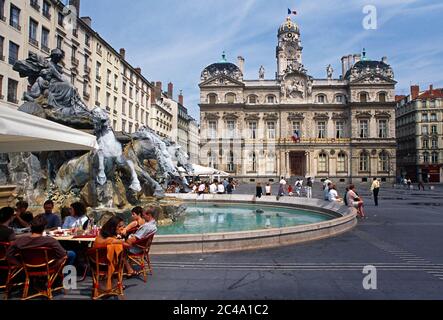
(402, 238)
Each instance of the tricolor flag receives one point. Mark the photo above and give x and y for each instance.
(292, 12)
(296, 136)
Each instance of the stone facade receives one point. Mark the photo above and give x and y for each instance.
(419, 121)
(101, 74)
(295, 125)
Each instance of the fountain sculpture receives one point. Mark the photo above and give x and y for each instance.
(114, 176)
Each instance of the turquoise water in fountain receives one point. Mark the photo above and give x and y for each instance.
(220, 218)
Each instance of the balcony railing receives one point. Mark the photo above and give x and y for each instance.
(74, 61)
(75, 33)
(86, 95)
(33, 42)
(87, 69)
(15, 25)
(97, 103)
(99, 78)
(47, 15)
(108, 83)
(35, 5)
(45, 48)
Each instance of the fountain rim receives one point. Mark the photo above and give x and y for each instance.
(346, 219)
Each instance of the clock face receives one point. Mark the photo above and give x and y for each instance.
(291, 51)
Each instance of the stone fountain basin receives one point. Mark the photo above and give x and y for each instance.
(346, 219)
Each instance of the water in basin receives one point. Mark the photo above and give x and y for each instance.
(220, 218)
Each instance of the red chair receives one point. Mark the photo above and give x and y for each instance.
(12, 271)
(139, 259)
(100, 264)
(41, 263)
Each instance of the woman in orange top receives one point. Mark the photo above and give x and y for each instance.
(109, 232)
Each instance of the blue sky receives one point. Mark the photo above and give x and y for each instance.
(175, 40)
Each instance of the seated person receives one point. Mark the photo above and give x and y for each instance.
(35, 240)
(137, 220)
(6, 216)
(23, 217)
(53, 220)
(147, 228)
(78, 218)
(333, 194)
(109, 232)
(355, 201)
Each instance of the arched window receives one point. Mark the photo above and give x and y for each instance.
(270, 162)
(426, 157)
(252, 99)
(212, 98)
(230, 161)
(270, 99)
(212, 160)
(341, 162)
(230, 98)
(339, 98)
(383, 162)
(321, 98)
(382, 97)
(364, 162)
(434, 157)
(322, 162)
(252, 162)
(363, 97)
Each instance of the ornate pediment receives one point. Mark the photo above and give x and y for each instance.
(363, 114)
(211, 116)
(321, 116)
(382, 114)
(252, 116)
(270, 116)
(230, 115)
(371, 77)
(296, 116)
(221, 81)
(339, 115)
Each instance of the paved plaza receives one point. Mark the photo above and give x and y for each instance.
(402, 238)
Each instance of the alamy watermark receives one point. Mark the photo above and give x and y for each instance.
(370, 280)
(370, 20)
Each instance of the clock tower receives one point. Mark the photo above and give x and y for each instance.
(289, 49)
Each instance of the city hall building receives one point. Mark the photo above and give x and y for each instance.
(294, 125)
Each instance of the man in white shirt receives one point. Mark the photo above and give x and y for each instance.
(213, 188)
(283, 181)
(221, 188)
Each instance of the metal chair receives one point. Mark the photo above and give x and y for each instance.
(100, 269)
(38, 263)
(11, 270)
(141, 258)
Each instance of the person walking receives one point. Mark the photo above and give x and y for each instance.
(258, 190)
(375, 188)
(268, 189)
(309, 188)
(421, 185)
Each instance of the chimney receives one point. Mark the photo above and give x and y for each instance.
(138, 70)
(170, 90)
(384, 60)
(123, 53)
(76, 5)
(431, 89)
(153, 96)
(180, 98)
(357, 58)
(415, 91)
(87, 20)
(241, 64)
(350, 61)
(158, 90)
(344, 65)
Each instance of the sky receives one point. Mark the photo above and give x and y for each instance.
(173, 41)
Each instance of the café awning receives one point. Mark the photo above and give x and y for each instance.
(22, 132)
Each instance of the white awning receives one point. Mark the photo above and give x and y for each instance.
(22, 132)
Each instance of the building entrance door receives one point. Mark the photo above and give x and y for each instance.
(297, 162)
